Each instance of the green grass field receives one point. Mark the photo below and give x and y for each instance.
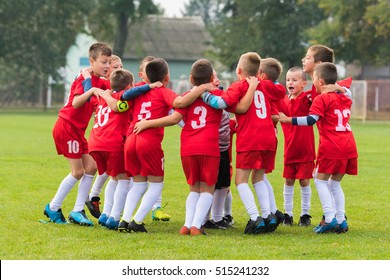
(31, 171)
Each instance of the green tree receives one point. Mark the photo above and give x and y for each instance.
(34, 39)
(357, 30)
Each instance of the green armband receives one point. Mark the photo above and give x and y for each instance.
(122, 106)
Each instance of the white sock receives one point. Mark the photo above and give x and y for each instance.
(339, 200)
(326, 199)
(263, 197)
(228, 203)
(158, 202)
(330, 191)
(133, 197)
(120, 196)
(83, 191)
(66, 186)
(248, 199)
(98, 185)
(207, 217)
(109, 196)
(131, 183)
(149, 199)
(272, 201)
(288, 193)
(218, 204)
(305, 200)
(192, 200)
(202, 207)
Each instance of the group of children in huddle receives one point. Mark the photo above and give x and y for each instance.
(125, 142)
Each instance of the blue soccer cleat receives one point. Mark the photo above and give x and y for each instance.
(342, 228)
(328, 227)
(55, 216)
(254, 227)
(79, 218)
(103, 219)
(271, 223)
(112, 223)
(319, 224)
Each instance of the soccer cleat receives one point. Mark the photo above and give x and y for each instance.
(159, 215)
(79, 217)
(93, 206)
(304, 220)
(197, 231)
(254, 227)
(111, 223)
(279, 217)
(123, 226)
(342, 228)
(223, 224)
(212, 225)
(270, 223)
(327, 227)
(55, 216)
(288, 220)
(103, 219)
(319, 224)
(229, 219)
(134, 227)
(184, 230)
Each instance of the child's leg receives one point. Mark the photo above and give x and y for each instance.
(120, 197)
(132, 199)
(98, 185)
(65, 187)
(325, 198)
(339, 200)
(288, 193)
(305, 196)
(109, 196)
(272, 201)
(192, 200)
(83, 190)
(228, 203)
(246, 195)
(203, 205)
(218, 204)
(148, 200)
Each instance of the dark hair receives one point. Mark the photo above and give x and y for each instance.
(271, 67)
(326, 71)
(201, 72)
(99, 48)
(120, 79)
(322, 53)
(144, 60)
(156, 70)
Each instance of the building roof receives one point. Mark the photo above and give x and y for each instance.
(183, 38)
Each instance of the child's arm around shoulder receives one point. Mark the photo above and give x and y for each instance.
(246, 101)
(137, 91)
(80, 99)
(192, 95)
(169, 120)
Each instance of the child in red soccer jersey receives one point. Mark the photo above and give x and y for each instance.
(337, 153)
(256, 139)
(68, 134)
(299, 146)
(144, 157)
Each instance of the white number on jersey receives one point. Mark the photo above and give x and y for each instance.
(102, 116)
(144, 113)
(202, 112)
(73, 147)
(261, 109)
(342, 117)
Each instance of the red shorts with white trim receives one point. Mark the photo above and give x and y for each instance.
(200, 168)
(143, 156)
(113, 163)
(68, 140)
(338, 166)
(256, 160)
(299, 170)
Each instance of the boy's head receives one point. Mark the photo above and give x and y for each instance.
(142, 67)
(248, 65)
(316, 54)
(201, 72)
(270, 68)
(157, 71)
(115, 63)
(99, 58)
(324, 74)
(121, 79)
(295, 80)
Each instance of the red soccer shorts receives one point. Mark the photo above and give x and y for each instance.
(338, 166)
(299, 170)
(200, 168)
(256, 160)
(68, 140)
(113, 163)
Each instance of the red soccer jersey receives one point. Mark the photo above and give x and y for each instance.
(336, 137)
(154, 104)
(200, 134)
(80, 117)
(299, 143)
(255, 130)
(109, 129)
